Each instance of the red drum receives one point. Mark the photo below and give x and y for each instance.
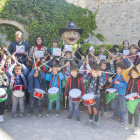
(132, 96)
(89, 99)
(18, 91)
(38, 93)
(75, 95)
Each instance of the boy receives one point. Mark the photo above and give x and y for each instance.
(120, 84)
(75, 81)
(125, 45)
(94, 83)
(103, 64)
(116, 47)
(8, 102)
(55, 79)
(17, 78)
(3, 84)
(133, 56)
(120, 58)
(35, 78)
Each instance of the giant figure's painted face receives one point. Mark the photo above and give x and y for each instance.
(70, 37)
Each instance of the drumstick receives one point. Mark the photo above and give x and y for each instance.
(81, 55)
(93, 56)
(113, 75)
(77, 59)
(78, 103)
(128, 59)
(47, 65)
(17, 50)
(137, 46)
(48, 53)
(2, 79)
(108, 51)
(34, 59)
(108, 72)
(63, 66)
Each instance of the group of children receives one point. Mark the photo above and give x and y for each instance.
(91, 74)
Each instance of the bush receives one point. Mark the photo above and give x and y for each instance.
(85, 46)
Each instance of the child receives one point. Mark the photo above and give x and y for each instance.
(125, 46)
(120, 58)
(75, 81)
(132, 77)
(103, 64)
(117, 48)
(55, 79)
(94, 83)
(102, 56)
(35, 78)
(120, 84)
(17, 78)
(4, 86)
(8, 102)
(133, 56)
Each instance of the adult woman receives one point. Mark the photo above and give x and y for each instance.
(39, 50)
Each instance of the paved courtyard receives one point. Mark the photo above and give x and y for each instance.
(57, 128)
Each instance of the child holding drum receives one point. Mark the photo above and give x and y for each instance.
(120, 84)
(132, 77)
(18, 84)
(4, 82)
(35, 78)
(103, 64)
(95, 81)
(55, 77)
(74, 85)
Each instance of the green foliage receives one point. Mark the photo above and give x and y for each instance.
(85, 46)
(100, 37)
(45, 17)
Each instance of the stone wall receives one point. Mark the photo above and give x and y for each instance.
(117, 20)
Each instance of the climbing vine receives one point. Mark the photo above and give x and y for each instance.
(45, 17)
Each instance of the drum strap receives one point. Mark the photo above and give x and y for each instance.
(64, 71)
(89, 83)
(136, 60)
(54, 81)
(106, 77)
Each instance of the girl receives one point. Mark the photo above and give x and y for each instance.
(133, 86)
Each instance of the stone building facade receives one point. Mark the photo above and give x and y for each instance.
(117, 20)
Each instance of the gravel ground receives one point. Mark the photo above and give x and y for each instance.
(57, 128)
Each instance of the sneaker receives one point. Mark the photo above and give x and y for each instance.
(114, 118)
(69, 117)
(128, 127)
(136, 131)
(14, 115)
(95, 126)
(29, 115)
(78, 119)
(122, 121)
(39, 116)
(57, 113)
(105, 114)
(88, 123)
(48, 113)
(21, 115)
(1, 119)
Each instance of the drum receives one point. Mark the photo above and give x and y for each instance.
(3, 95)
(18, 91)
(111, 90)
(75, 95)
(38, 93)
(132, 96)
(89, 99)
(53, 90)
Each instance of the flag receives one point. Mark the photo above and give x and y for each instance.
(110, 96)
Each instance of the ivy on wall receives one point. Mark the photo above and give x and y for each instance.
(45, 17)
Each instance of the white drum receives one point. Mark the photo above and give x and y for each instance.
(53, 90)
(3, 94)
(75, 94)
(89, 99)
(132, 96)
(38, 93)
(18, 91)
(111, 90)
